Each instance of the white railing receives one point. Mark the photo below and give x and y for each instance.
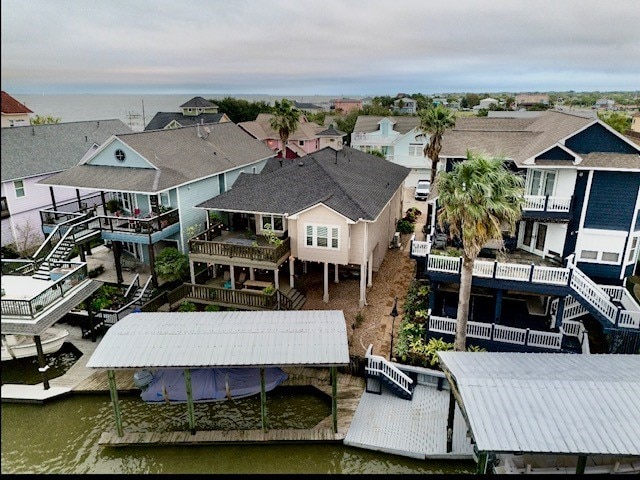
(513, 271)
(420, 248)
(377, 365)
(498, 333)
(596, 297)
(483, 268)
(576, 329)
(550, 275)
(541, 203)
(439, 263)
(629, 319)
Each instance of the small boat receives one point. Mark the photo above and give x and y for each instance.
(23, 346)
(563, 464)
(207, 384)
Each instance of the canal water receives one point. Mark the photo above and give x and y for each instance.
(61, 436)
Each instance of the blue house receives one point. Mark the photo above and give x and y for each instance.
(564, 272)
(149, 183)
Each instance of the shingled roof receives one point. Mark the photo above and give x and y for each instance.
(353, 183)
(161, 119)
(261, 129)
(34, 150)
(522, 138)
(198, 102)
(179, 155)
(402, 123)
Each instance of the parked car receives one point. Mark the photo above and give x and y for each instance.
(422, 190)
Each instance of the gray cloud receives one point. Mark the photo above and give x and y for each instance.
(310, 47)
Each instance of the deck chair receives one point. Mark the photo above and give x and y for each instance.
(227, 279)
(241, 279)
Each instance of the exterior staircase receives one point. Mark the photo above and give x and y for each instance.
(297, 299)
(61, 252)
(388, 376)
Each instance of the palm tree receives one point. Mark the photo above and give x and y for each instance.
(285, 121)
(433, 122)
(479, 199)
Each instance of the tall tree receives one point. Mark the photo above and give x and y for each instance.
(479, 199)
(433, 122)
(285, 121)
(44, 120)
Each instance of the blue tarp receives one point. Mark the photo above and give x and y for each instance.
(210, 384)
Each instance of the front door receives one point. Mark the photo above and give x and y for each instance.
(534, 236)
(541, 237)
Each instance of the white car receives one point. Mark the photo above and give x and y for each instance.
(422, 189)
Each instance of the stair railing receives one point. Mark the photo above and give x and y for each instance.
(379, 366)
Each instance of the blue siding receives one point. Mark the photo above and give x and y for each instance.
(598, 139)
(601, 274)
(556, 153)
(107, 157)
(612, 200)
(637, 226)
(574, 223)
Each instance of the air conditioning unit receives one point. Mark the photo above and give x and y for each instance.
(396, 240)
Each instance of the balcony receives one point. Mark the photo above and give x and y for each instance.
(541, 207)
(216, 245)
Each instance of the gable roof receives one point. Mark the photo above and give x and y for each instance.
(198, 102)
(179, 155)
(518, 139)
(331, 132)
(34, 150)
(11, 106)
(353, 183)
(369, 123)
(261, 129)
(161, 119)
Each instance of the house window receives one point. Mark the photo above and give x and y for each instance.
(415, 150)
(588, 255)
(610, 257)
(222, 184)
(633, 250)
(19, 186)
(301, 143)
(322, 236)
(541, 182)
(120, 155)
(276, 222)
(165, 200)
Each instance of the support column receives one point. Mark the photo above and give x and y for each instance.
(582, 464)
(292, 271)
(559, 313)
(83, 257)
(370, 270)
(325, 297)
(263, 401)
(117, 253)
(334, 397)
(276, 278)
(42, 362)
(53, 199)
(335, 273)
(252, 273)
(79, 199)
(432, 296)
(498, 310)
(192, 271)
(232, 273)
(152, 264)
(363, 285)
(190, 408)
(482, 463)
(113, 390)
(452, 412)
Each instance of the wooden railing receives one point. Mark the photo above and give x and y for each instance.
(253, 299)
(220, 248)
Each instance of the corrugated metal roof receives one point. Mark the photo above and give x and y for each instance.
(209, 339)
(550, 402)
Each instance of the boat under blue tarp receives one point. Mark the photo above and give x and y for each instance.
(209, 384)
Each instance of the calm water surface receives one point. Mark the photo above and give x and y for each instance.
(62, 437)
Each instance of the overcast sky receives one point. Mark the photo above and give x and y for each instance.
(323, 47)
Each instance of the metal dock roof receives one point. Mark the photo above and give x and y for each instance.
(549, 402)
(209, 339)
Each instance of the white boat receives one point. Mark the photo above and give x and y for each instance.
(23, 346)
(564, 464)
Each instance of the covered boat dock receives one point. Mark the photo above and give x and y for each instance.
(238, 339)
(550, 412)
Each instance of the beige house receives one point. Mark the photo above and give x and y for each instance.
(331, 209)
(14, 113)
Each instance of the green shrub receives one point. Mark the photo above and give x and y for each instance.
(405, 226)
(187, 307)
(212, 308)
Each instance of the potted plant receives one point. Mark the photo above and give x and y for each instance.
(113, 205)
